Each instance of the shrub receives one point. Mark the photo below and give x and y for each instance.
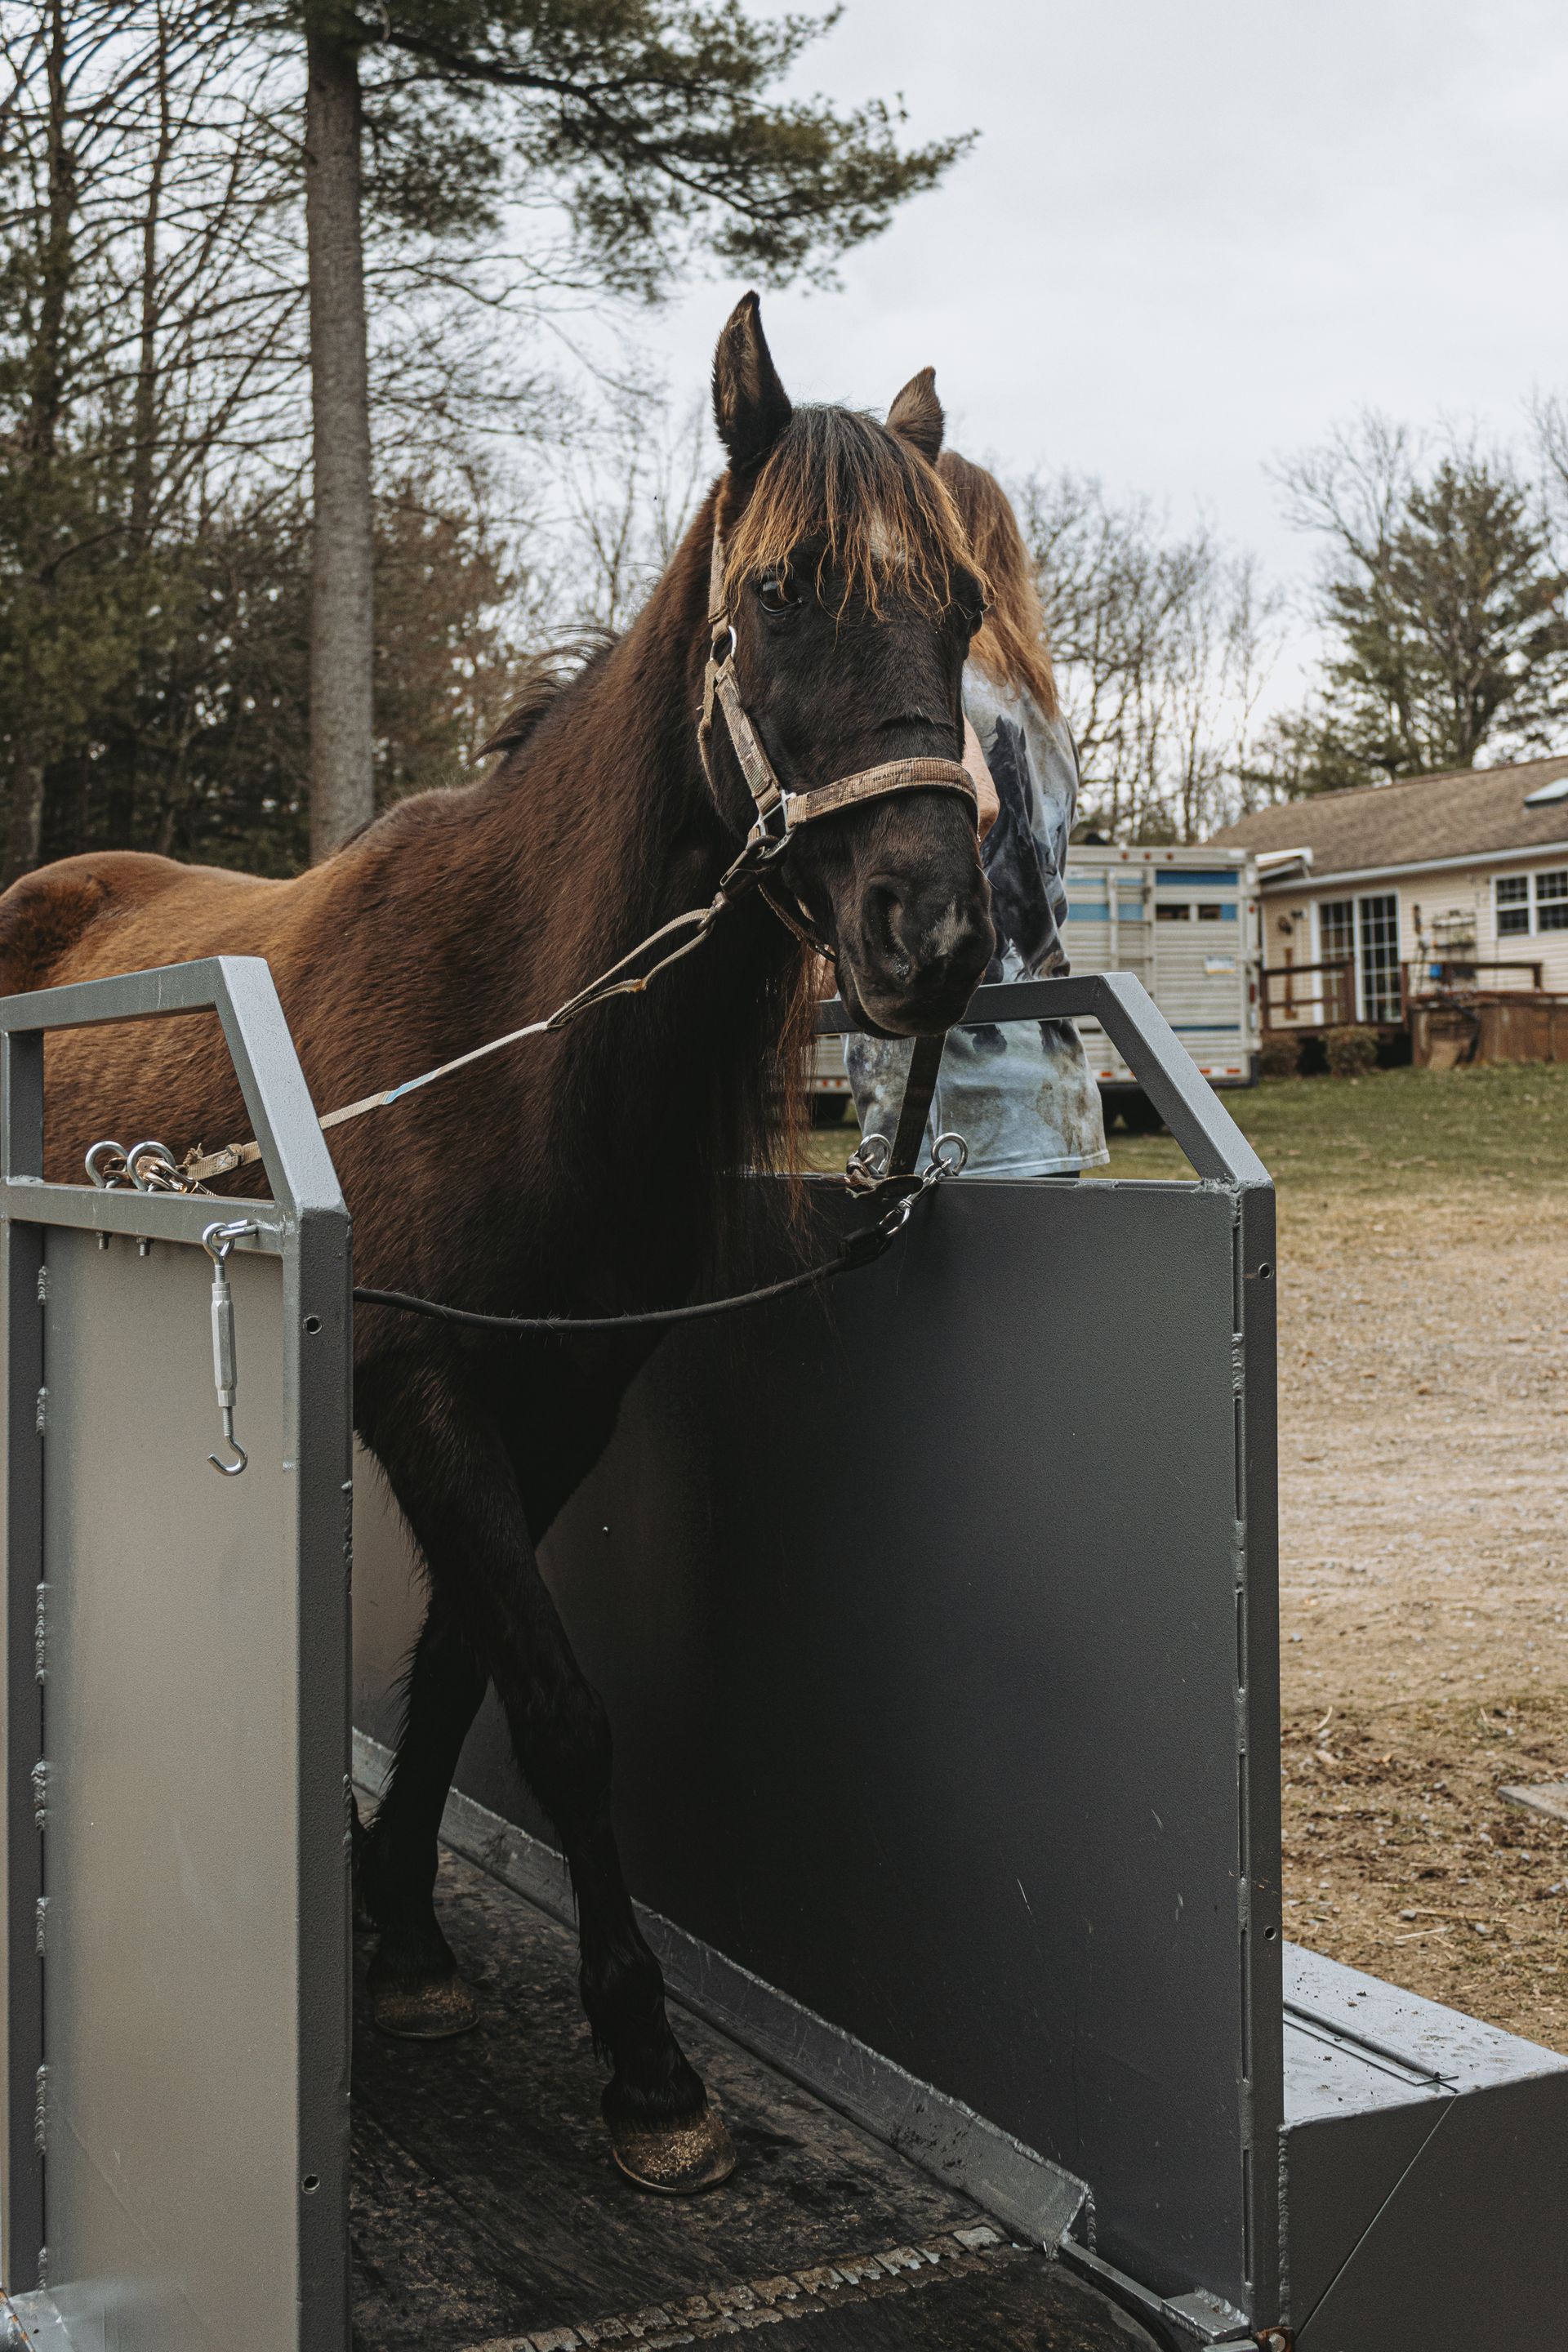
(1350, 1052)
(1280, 1057)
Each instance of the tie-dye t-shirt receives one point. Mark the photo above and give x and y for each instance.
(1020, 1095)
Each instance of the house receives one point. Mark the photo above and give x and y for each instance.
(1370, 897)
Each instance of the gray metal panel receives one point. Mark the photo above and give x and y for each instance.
(1469, 2251)
(1425, 2158)
(918, 1625)
(1407, 2031)
(196, 1957)
(171, 2169)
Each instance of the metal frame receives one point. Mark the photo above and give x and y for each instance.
(305, 1224)
(1148, 1046)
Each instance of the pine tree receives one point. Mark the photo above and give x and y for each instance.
(649, 128)
(1447, 611)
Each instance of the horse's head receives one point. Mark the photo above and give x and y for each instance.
(853, 600)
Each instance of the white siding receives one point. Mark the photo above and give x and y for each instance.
(1437, 912)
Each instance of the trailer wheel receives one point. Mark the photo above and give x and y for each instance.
(1139, 1116)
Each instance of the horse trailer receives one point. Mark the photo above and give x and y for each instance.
(956, 1829)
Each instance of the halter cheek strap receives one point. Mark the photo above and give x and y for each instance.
(779, 812)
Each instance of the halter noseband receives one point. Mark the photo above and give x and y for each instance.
(780, 814)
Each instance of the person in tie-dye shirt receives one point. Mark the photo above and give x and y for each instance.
(1020, 1095)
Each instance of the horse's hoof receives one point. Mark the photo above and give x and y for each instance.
(433, 2009)
(679, 2161)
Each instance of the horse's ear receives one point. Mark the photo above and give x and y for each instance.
(916, 416)
(751, 406)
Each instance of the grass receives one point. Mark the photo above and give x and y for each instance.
(1505, 1127)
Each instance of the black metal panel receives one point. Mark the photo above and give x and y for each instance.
(1425, 2168)
(1340, 2172)
(1469, 2253)
(918, 1623)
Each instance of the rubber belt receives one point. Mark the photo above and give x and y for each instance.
(915, 1108)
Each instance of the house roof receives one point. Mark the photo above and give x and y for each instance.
(1465, 813)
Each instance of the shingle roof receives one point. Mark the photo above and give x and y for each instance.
(1465, 813)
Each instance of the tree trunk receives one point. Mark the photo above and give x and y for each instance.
(24, 831)
(342, 788)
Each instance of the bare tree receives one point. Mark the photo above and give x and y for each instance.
(1446, 605)
(343, 626)
(632, 486)
(1163, 646)
(155, 437)
(144, 357)
(1549, 414)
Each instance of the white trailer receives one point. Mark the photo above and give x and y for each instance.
(1185, 921)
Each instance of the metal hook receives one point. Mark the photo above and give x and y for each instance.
(150, 1165)
(110, 1149)
(230, 1469)
(217, 1241)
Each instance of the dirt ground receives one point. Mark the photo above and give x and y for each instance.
(1423, 1573)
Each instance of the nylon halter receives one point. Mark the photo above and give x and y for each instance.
(780, 814)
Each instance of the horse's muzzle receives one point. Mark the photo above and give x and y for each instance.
(919, 954)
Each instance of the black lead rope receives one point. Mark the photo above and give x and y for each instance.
(846, 1262)
(861, 1250)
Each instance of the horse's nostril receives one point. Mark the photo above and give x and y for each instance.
(886, 921)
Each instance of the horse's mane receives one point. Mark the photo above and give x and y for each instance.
(877, 508)
(1012, 646)
(547, 676)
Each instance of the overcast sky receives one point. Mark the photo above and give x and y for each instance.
(1196, 233)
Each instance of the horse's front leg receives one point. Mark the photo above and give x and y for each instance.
(454, 1483)
(414, 1985)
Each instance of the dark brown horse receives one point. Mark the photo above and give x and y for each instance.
(578, 1174)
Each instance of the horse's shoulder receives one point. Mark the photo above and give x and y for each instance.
(46, 914)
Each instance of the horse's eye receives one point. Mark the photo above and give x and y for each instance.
(775, 592)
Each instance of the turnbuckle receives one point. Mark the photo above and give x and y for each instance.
(217, 1241)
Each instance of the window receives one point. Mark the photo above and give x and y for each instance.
(1336, 930)
(1512, 903)
(1336, 947)
(1378, 922)
(1532, 902)
(1164, 914)
(1208, 912)
(1358, 939)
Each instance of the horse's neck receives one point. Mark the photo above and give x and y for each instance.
(604, 818)
(607, 825)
